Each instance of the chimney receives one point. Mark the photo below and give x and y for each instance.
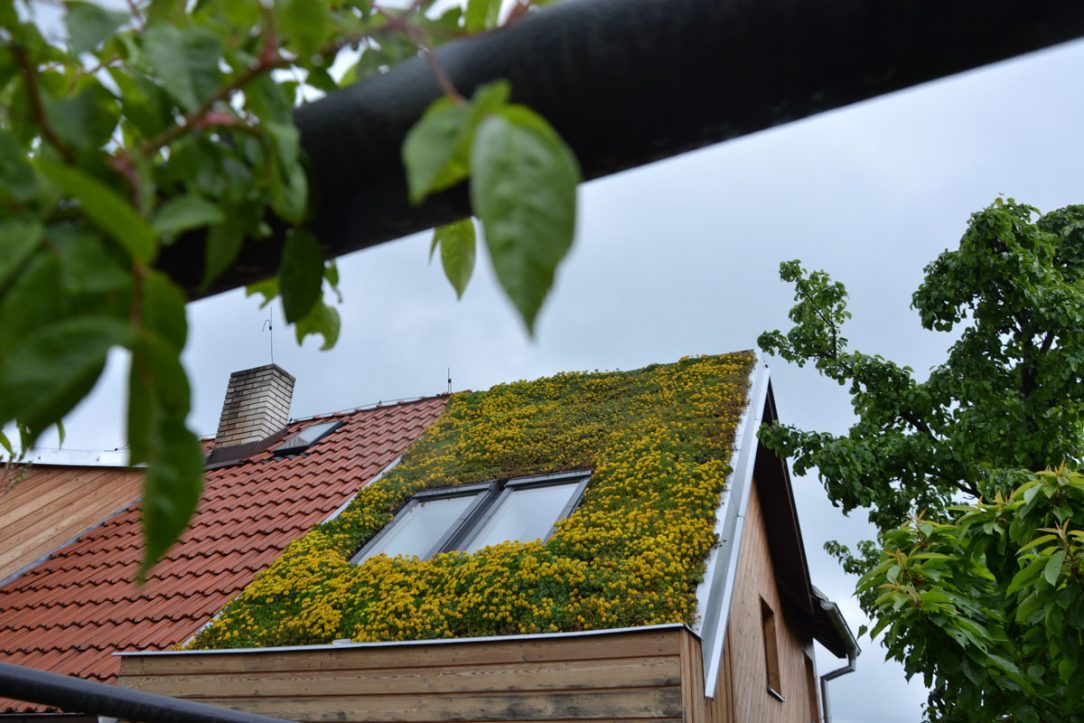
(257, 405)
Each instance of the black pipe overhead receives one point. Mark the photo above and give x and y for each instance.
(82, 696)
(627, 82)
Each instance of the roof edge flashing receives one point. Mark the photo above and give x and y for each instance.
(341, 645)
(716, 590)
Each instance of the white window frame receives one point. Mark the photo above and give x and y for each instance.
(470, 523)
(510, 487)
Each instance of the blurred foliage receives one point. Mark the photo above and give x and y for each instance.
(173, 120)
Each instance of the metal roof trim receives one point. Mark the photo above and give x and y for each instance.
(409, 643)
(716, 590)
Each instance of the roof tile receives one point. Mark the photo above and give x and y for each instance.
(70, 613)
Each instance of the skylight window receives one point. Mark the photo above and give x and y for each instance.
(471, 517)
(305, 438)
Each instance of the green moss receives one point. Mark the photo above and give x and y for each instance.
(658, 442)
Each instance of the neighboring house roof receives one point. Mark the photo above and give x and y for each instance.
(69, 613)
(45, 507)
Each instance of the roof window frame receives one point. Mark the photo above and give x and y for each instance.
(486, 492)
(510, 486)
(282, 450)
(473, 520)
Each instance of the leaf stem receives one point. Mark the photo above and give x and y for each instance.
(37, 106)
(412, 31)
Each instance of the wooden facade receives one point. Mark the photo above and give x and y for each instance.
(653, 673)
(748, 689)
(642, 674)
(48, 506)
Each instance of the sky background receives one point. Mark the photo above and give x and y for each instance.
(681, 257)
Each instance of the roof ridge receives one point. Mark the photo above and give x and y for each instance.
(347, 411)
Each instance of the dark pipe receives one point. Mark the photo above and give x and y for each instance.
(76, 695)
(627, 82)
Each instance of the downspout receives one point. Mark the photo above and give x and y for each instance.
(76, 695)
(852, 653)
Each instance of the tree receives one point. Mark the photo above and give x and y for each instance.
(959, 590)
(174, 119)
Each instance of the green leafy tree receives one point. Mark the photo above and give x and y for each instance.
(172, 118)
(945, 585)
(988, 605)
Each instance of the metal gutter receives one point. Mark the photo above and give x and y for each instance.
(853, 651)
(716, 590)
(76, 695)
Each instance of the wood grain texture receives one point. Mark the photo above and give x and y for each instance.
(744, 679)
(641, 643)
(50, 506)
(639, 675)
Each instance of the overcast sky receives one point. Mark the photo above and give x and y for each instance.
(681, 257)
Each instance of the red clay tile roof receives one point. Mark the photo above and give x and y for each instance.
(71, 612)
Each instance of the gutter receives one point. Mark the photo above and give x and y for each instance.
(853, 651)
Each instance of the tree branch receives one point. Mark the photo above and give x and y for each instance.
(37, 106)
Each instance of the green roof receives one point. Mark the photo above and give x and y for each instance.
(658, 442)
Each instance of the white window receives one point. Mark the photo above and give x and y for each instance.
(471, 517)
(305, 438)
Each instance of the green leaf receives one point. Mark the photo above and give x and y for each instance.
(171, 489)
(1026, 575)
(89, 25)
(457, 250)
(88, 265)
(184, 213)
(1041, 540)
(16, 174)
(431, 149)
(105, 208)
(289, 184)
(436, 152)
(18, 240)
(186, 62)
(482, 14)
(523, 189)
(50, 371)
(84, 121)
(157, 388)
(304, 23)
(322, 320)
(301, 274)
(1052, 571)
(268, 289)
(163, 309)
(224, 242)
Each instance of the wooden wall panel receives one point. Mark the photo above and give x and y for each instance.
(50, 506)
(638, 675)
(744, 678)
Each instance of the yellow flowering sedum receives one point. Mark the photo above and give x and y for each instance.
(658, 441)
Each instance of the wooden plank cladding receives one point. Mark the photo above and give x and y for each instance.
(48, 506)
(635, 675)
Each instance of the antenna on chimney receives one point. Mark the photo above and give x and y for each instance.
(449, 380)
(269, 327)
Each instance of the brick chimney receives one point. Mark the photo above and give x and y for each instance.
(257, 405)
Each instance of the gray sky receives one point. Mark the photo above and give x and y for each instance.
(680, 258)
